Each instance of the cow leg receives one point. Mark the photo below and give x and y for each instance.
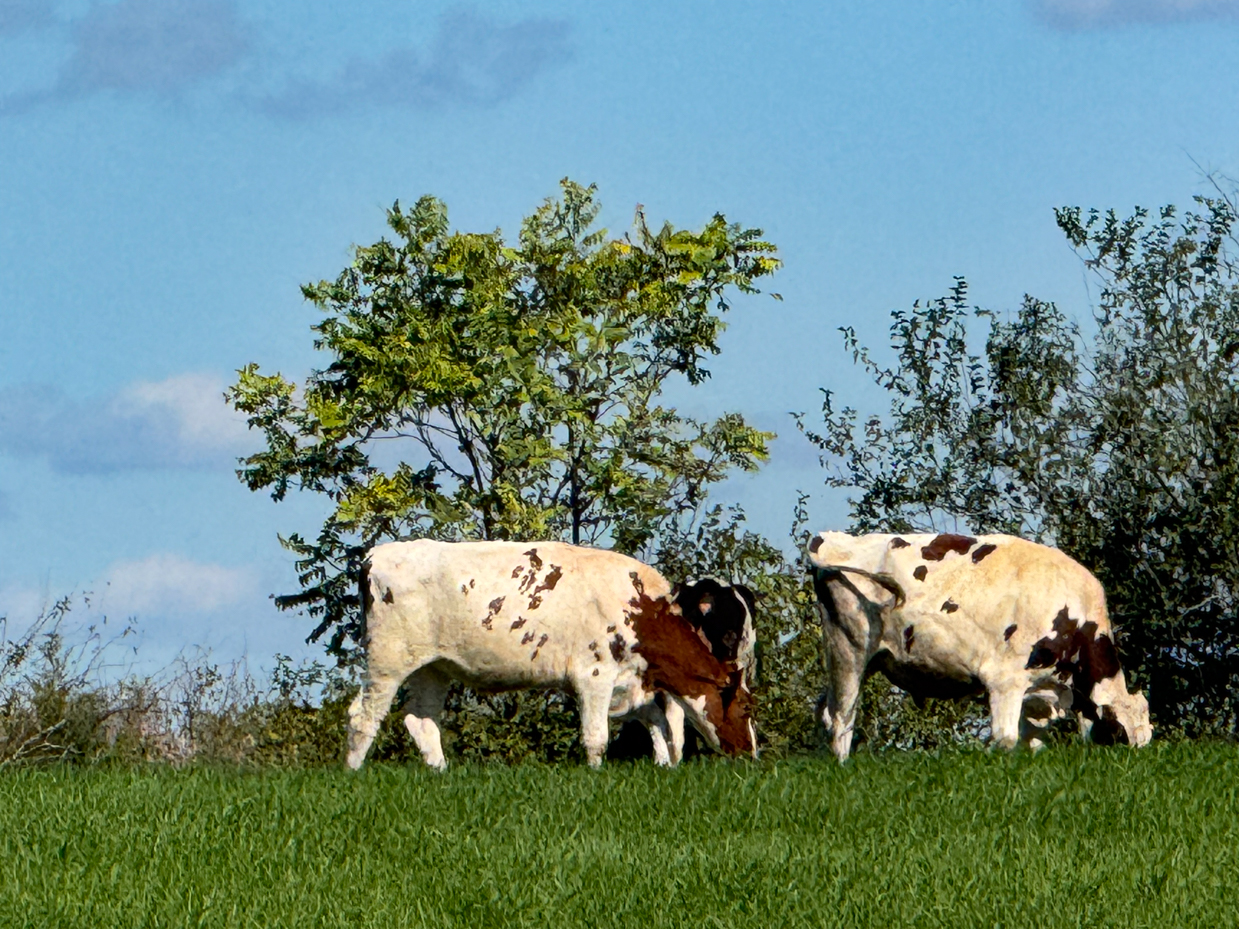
(839, 715)
(366, 712)
(664, 719)
(594, 702)
(427, 692)
(674, 713)
(839, 704)
(1006, 704)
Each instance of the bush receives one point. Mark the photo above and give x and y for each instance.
(1122, 448)
(54, 704)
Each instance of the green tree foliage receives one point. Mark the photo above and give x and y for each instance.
(478, 389)
(1121, 448)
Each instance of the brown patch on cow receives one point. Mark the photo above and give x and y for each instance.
(920, 572)
(637, 584)
(387, 597)
(950, 606)
(814, 544)
(464, 589)
(909, 636)
(548, 583)
(678, 661)
(495, 606)
(1078, 654)
(537, 648)
(520, 621)
(527, 638)
(517, 570)
(1057, 650)
(899, 543)
(982, 551)
(619, 647)
(473, 581)
(551, 579)
(1107, 730)
(1010, 631)
(595, 672)
(610, 628)
(945, 543)
(534, 561)
(1103, 658)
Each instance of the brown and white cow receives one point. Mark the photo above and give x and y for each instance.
(951, 615)
(512, 615)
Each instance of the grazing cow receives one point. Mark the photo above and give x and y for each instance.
(951, 616)
(510, 615)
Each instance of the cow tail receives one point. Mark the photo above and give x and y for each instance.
(364, 597)
(883, 580)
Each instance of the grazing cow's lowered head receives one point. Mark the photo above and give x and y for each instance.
(723, 615)
(691, 643)
(1084, 658)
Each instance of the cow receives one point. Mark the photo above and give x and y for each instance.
(950, 615)
(511, 615)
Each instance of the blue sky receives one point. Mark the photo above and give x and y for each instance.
(172, 170)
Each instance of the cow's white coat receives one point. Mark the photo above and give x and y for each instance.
(969, 623)
(509, 615)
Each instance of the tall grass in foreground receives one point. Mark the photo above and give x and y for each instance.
(1072, 837)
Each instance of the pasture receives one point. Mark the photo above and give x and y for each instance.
(1075, 836)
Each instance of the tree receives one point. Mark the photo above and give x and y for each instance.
(481, 390)
(1122, 448)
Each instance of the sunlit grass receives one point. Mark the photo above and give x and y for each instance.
(1070, 837)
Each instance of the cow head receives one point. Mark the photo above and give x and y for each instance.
(1083, 655)
(723, 614)
(681, 663)
(1122, 717)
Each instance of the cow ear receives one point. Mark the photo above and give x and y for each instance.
(750, 596)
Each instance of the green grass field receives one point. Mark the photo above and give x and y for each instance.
(1071, 837)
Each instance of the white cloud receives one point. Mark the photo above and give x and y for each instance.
(194, 407)
(20, 606)
(1095, 14)
(470, 61)
(162, 586)
(156, 45)
(173, 606)
(160, 47)
(164, 48)
(180, 422)
(171, 585)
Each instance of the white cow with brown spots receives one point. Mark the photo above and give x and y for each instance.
(510, 615)
(950, 616)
